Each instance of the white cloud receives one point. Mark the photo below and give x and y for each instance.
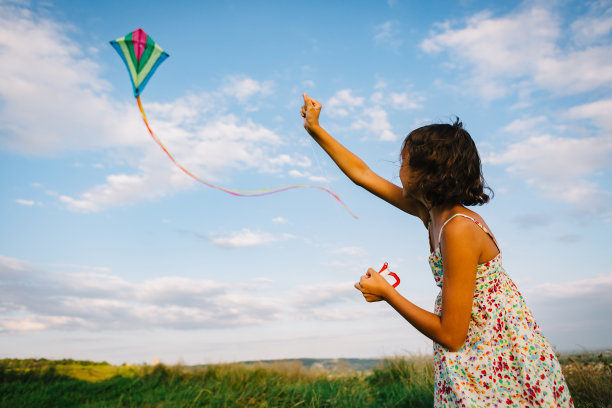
(372, 117)
(324, 294)
(12, 264)
(388, 34)
(343, 102)
(27, 203)
(243, 238)
(330, 301)
(242, 88)
(559, 166)
(594, 26)
(309, 176)
(375, 120)
(598, 112)
(403, 101)
(34, 299)
(279, 220)
(74, 111)
(525, 46)
(208, 152)
(597, 286)
(68, 98)
(524, 125)
(120, 189)
(297, 173)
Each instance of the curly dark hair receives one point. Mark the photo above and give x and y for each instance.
(447, 165)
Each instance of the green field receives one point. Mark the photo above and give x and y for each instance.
(395, 382)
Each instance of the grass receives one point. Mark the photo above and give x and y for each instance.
(394, 382)
(589, 378)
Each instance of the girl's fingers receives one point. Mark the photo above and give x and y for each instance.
(309, 102)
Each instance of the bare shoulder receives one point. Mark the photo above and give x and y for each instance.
(459, 228)
(461, 236)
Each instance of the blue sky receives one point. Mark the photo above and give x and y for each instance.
(108, 252)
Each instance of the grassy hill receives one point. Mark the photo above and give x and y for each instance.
(396, 382)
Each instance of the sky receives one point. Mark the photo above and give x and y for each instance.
(110, 253)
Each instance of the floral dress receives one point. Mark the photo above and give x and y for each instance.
(505, 360)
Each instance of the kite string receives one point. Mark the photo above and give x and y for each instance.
(321, 169)
(237, 193)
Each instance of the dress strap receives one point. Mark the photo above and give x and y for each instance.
(476, 222)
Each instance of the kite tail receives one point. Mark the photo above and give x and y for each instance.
(237, 193)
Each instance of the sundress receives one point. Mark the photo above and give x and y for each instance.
(505, 360)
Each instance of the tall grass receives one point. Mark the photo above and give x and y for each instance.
(395, 382)
(589, 378)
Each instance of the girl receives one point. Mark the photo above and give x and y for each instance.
(488, 349)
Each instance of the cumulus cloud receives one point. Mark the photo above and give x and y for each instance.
(561, 167)
(375, 120)
(37, 298)
(597, 112)
(244, 238)
(242, 88)
(524, 124)
(343, 102)
(68, 98)
(404, 101)
(209, 150)
(74, 111)
(524, 50)
(373, 117)
(326, 301)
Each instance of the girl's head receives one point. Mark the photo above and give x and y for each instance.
(444, 165)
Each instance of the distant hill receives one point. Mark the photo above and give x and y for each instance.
(331, 365)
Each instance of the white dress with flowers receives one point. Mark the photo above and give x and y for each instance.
(505, 360)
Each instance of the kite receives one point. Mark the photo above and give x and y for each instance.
(142, 56)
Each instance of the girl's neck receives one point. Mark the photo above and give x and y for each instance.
(439, 214)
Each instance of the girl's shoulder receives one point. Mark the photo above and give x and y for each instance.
(469, 226)
(469, 217)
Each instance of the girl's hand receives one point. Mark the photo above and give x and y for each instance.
(310, 112)
(373, 286)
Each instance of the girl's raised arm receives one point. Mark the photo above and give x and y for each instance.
(354, 168)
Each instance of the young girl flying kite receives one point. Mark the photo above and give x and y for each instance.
(488, 349)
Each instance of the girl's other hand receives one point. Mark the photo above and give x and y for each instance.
(373, 286)
(310, 112)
